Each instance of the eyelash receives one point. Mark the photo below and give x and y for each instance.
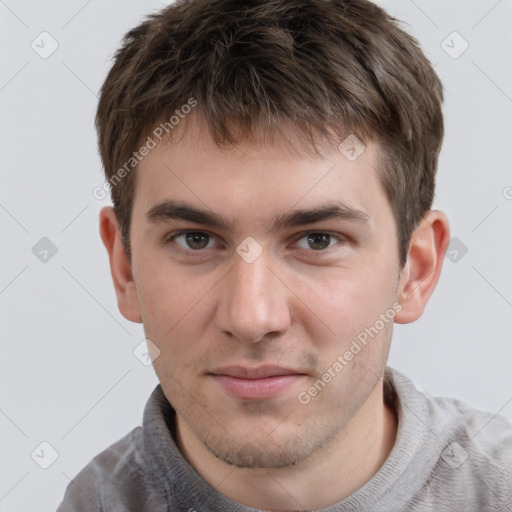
(298, 236)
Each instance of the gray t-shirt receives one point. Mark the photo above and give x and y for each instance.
(447, 457)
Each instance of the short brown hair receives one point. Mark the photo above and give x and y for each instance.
(331, 67)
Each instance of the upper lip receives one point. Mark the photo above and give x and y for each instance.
(260, 372)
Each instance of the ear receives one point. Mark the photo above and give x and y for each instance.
(120, 266)
(421, 272)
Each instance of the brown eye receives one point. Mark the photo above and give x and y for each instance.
(193, 240)
(197, 240)
(319, 241)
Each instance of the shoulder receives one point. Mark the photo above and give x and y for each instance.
(118, 478)
(487, 434)
(448, 419)
(462, 455)
(475, 459)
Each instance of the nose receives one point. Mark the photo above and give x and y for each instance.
(254, 305)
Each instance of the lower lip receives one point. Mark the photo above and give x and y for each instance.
(256, 389)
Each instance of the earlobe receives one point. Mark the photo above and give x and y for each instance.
(425, 258)
(120, 266)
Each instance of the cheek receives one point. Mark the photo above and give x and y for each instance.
(351, 340)
(166, 294)
(342, 302)
(175, 309)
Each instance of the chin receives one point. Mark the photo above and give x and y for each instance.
(261, 454)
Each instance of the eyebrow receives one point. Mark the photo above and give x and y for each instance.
(169, 209)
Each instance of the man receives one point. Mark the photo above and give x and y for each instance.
(272, 168)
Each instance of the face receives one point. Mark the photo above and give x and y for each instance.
(257, 273)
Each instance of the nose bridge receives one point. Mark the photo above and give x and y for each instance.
(253, 303)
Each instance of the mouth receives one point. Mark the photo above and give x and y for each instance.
(264, 382)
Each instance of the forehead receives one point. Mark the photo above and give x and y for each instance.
(257, 179)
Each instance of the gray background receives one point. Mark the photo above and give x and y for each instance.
(68, 373)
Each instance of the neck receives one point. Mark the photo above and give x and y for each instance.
(331, 474)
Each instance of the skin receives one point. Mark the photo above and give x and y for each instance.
(294, 306)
